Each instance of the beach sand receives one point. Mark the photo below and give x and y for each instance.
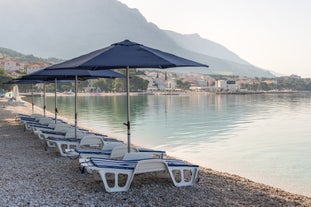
(31, 176)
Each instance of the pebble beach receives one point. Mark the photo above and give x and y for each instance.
(32, 176)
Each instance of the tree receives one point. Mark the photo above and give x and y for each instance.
(106, 85)
(138, 84)
(185, 85)
(4, 78)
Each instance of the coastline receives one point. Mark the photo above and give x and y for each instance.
(28, 168)
(183, 93)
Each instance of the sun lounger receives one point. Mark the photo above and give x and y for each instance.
(94, 143)
(59, 129)
(63, 142)
(51, 128)
(181, 173)
(33, 118)
(43, 121)
(22, 117)
(36, 121)
(66, 145)
(115, 151)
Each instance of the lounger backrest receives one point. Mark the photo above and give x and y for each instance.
(45, 120)
(119, 151)
(92, 141)
(150, 165)
(137, 156)
(52, 125)
(36, 116)
(109, 145)
(62, 127)
(71, 133)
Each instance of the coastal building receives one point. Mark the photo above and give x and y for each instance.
(151, 83)
(13, 65)
(10, 65)
(33, 67)
(202, 83)
(227, 85)
(197, 88)
(21, 67)
(170, 84)
(221, 84)
(160, 84)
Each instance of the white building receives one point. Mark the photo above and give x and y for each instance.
(202, 83)
(227, 85)
(170, 84)
(36, 66)
(10, 66)
(222, 84)
(160, 83)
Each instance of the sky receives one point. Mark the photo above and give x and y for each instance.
(271, 34)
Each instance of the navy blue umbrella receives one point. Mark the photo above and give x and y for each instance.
(126, 55)
(67, 75)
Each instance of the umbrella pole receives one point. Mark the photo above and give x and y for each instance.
(128, 124)
(76, 115)
(32, 104)
(44, 99)
(55, 101)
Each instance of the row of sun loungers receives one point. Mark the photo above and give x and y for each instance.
(107, 156)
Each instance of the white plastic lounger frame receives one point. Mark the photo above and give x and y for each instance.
(130, 168)
(66, 145)
(63, 144)
(51, 139)
(89, 142)
(24, 118)
(44, 121)
(59, 128)
(116, 150)
(52, 127)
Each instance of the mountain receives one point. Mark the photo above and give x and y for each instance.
(204, 46)
(59, 28)
(28, 58)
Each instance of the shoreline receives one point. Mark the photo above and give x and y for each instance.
(214, 188)
(185, 93)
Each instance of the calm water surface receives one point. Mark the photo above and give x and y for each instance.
(266, 138)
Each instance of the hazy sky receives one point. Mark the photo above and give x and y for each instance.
(272, 34)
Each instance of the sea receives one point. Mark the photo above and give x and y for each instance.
(263, 137)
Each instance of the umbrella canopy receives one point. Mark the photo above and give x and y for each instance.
(24, 81)
(69, 74)
(126, 55)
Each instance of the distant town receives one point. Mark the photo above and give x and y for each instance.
(166, 81)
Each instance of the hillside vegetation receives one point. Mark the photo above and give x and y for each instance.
(27, 58)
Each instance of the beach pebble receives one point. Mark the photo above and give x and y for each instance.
(31, 176)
